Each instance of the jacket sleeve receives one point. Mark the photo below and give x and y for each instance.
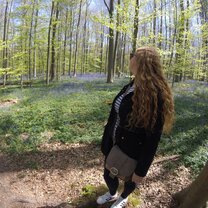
(107, 142)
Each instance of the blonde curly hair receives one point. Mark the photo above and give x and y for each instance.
(149, 81)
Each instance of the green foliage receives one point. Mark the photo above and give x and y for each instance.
(134, 200)
(61, 113)
(88, 190)
(189, 138)
(68, 116)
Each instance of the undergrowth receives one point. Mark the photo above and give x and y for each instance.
(76, 111)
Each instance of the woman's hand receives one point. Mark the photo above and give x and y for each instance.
(137, 179)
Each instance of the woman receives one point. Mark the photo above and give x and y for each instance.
(141, 111)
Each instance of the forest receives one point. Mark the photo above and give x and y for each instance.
(61, 64)
(50, 39)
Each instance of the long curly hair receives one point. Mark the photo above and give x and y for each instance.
(149, 81)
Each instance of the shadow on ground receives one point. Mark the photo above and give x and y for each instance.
(75, 156)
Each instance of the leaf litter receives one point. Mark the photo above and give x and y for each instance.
(71, 175)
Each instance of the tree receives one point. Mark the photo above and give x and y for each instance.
(49, 44)
(111, 42)
(53, 52)
(5, 53)
(30, 41)
(77, 35)
(196, 194)
(204, 19)
(136, 24)
(35, 39)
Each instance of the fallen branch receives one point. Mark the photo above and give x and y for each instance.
(172, 157)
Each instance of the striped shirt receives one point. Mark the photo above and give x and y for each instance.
(117, 106)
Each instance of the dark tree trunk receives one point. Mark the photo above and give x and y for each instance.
(204, 19)
(84, 41)
(76, 44)
(123, 54)
(110, 43)
(65, 39)
(5, 53)
(116, 39)
(30, 43)
(154, 21)
(101, 48)
(53, 52)
(49, 44)
(35, 38)
(71, 40)
(196, 194)
(136, 24)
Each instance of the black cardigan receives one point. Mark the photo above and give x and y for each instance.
(137, 143)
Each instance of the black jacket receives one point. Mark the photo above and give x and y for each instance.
(137, 143)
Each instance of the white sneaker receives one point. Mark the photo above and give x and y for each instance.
(107, 197)
(119, 203)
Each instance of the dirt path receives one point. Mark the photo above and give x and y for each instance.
(55, 175)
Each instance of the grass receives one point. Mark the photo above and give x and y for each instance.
(76, 110)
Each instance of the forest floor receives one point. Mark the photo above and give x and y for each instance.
(70, 175)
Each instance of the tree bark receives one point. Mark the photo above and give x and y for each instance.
(116, 39)
(5, 54)
(71, 40)
(161, 25)
(49, 43)
(53, 52)
(65, 39)
(30, 43)
(136, 24)
(84, 41)
(35, 38)
(101, 48)
(204, 19)
(196, 194)
(154, 21)
(76, 44)
(110, 43)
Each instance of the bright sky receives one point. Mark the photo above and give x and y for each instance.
(97, 5)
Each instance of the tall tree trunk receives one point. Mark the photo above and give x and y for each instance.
(71, 40)
(123, 56)
(5, 53)
(101, 48)
(53, 52)
(30, 43)
(204, 20)
(58, 56)
(35, 39)
(196, 194)
(186, 41)
(87, 47)
(106, 56)
(65, 39)
(154, 21)
(179, 43)
(116, 39)
(173, 41)
(84, 41)
(76, 43)
(110, 43)
(136, 25)
(49, 45)
(161, 25)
